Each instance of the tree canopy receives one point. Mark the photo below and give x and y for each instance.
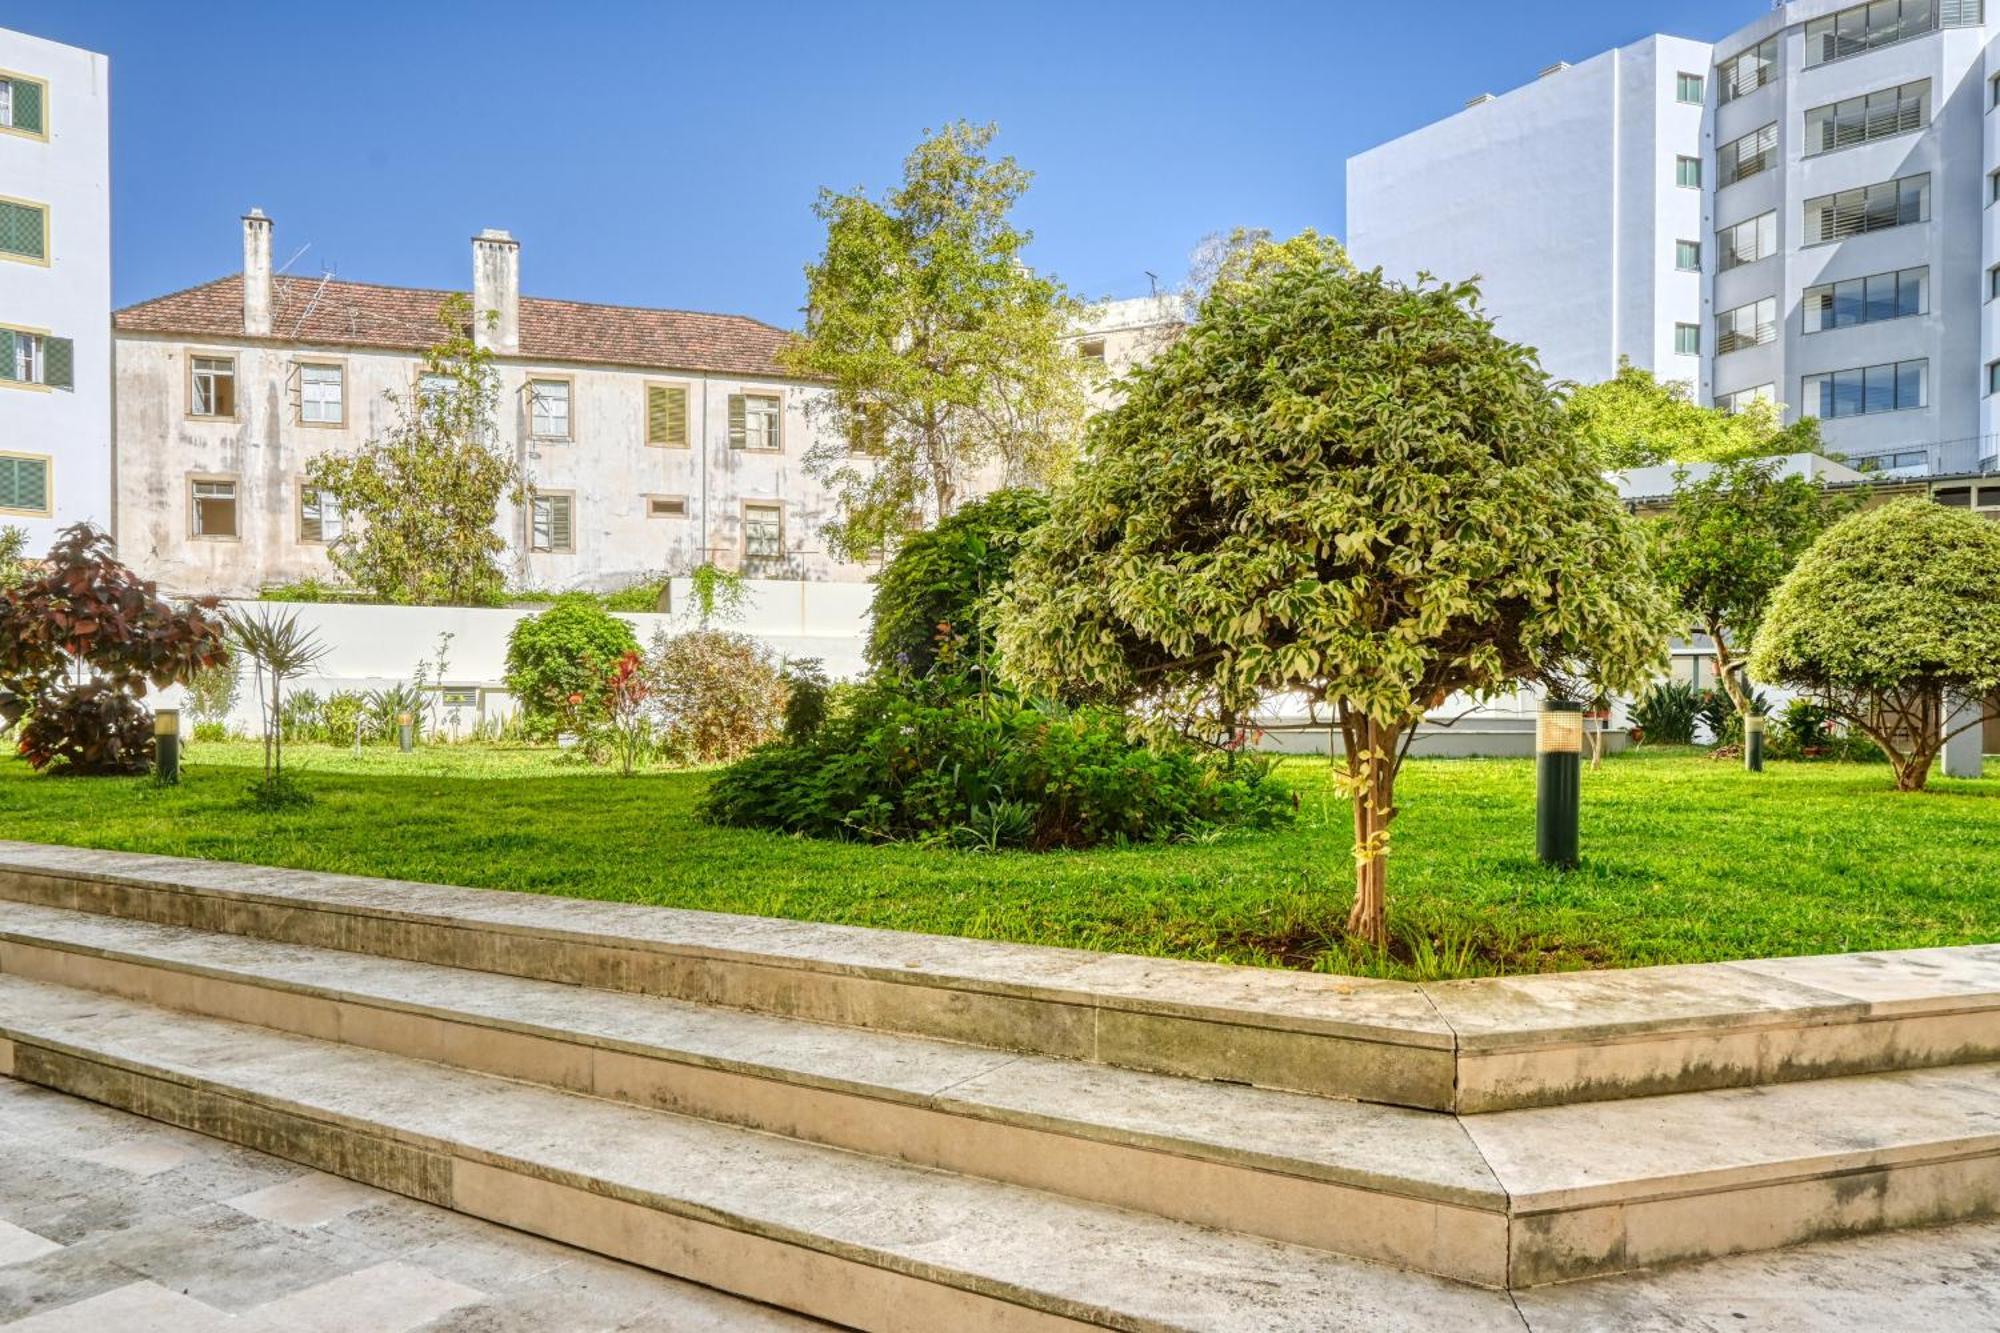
(1731, 536)
(1339, 487)
(941, 582)
(944, 351)
(1634, 420)
(422, 501)
(1891, 621)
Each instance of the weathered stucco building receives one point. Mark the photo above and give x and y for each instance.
(651, 440)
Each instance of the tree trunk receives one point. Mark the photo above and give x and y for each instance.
(1725, 671)
(1371, 767)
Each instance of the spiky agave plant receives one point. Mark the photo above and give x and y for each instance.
(282, 650)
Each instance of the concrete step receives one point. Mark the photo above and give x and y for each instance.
(1514, 1198)
(1471, 1046)
(846, 1237)
(1378, 1182)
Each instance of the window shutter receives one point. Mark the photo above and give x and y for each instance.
(6, 354)
(559, 523)
(27, 106)
(24, 484)
(666, 414)
(59, 363)
(21, 230)
(738, 426)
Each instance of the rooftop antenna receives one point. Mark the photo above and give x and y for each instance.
(295, 256)
(326, 276)
(1153, 281)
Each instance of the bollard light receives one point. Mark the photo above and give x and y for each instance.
(404, 739)
(167, 746)
(1558, 781)
(1753, 742)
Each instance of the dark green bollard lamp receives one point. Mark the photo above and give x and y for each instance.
(405, 729)
(1753, 742)
(167, 746)
(1558, 781)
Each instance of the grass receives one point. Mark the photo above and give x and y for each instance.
(1686, 859)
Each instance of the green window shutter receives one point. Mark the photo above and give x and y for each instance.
(22, 230)
(6, 354)
(27, 106)
(24, 484)
(59, 363)
(739, 429)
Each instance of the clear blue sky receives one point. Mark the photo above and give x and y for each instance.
(668, 154)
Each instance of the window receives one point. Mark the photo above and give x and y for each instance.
(1687, 339)
(548, 409)
(1882, 114)
(1993, 377)
(1993, 187)
(763, 535)
(868, 429)
(1897, 203)
(24, 485)
(1865, 27)
(1750, 325)
(321, 520)
(1742, 398)
(24, 231)
(1869, 300)
(1687, 88)
(667, 415)
(666, 506)
(320, 394)
(1894, 460)
(212, 386)
(1687, 172)
(29, 356)
(1687, 256)
(23, 102)
(214, 509)
(1092, 350)
(754, 421)
(1747, 242)
(433, 389)
(1740, 159)
(1898, 386)
(552, 523)
(1993, 282)
(1747, 71)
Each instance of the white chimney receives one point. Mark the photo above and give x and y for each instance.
(496, 291)
(256, 273)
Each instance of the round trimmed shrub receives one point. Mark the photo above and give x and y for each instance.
(556, 662)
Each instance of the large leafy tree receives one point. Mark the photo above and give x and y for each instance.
(943, 350)
(81, 638)
(1341, 487)
(1634, 419)
(1731, 536)
(1892, 623)
(423, 500)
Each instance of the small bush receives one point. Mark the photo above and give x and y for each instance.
(931, 761)
(637, 597)
(278, 791)
(212, 693)
(1665, 714)
(939, 587)
(205, 732)
(806, 694)
(717, 694)
(342, 712)
(556, 662)
(1804, 725)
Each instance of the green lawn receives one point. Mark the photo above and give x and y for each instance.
(1686, 858)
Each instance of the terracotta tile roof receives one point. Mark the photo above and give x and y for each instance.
(359, 314)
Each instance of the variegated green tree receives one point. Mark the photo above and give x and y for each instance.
(1339, 487)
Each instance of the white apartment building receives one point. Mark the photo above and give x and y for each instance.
(651, 440)
(1845, 255)
(55, 287)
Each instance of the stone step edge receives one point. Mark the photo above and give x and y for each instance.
(1274, 1163)
(76, 1069)
(1416, 1050)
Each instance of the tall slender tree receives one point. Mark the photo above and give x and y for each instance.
(944, 351)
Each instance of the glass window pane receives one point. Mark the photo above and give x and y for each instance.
(1910, 384)
(1913, 291)
(1878, 389)
(1846, 393)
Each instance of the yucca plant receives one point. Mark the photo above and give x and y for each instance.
(1666, 713)
(280, 649)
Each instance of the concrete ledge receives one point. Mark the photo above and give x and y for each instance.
(1474, 1046)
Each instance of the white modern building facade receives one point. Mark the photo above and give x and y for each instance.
(55, 287)
(1827, 239)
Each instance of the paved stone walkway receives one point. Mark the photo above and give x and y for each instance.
(110, 1223)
